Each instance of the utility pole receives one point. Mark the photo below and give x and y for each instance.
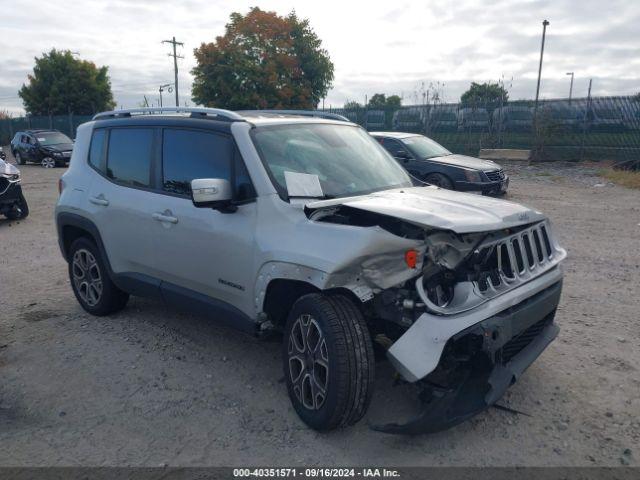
(175, 63)
(571, 86)
(535, 108)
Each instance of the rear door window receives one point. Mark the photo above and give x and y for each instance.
(129, 156)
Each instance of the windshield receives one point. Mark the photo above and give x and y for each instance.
(345, 159)
(423, 147)
(52, 138)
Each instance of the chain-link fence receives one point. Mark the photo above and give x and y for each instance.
(67, 124)
(602, 128)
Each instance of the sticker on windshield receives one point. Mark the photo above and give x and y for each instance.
(42, 139)
(302, 184)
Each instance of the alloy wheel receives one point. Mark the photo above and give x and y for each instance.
(308, 362)
(48, 162)
(86, 277)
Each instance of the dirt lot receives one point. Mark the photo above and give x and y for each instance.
(152, 386)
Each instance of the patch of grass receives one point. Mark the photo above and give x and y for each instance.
(622, 177)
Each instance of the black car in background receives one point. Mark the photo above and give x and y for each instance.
(12, 202)
(49, 148)
(431, 162)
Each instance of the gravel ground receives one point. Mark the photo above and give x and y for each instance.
(153, 386)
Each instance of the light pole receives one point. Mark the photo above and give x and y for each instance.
(161, 89)
(535, 108)
(571, 86)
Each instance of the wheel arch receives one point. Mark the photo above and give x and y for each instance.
(279, 285)
(71, 227)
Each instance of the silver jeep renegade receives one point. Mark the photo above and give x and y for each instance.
(300, 223)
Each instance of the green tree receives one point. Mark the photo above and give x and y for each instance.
(380, 100)
(480, 94)
(262, 61)
(393, 101)
(61, 83)
(352, 105)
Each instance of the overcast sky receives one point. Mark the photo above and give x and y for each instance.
(376, 46)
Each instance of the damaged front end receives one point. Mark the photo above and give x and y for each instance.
(473, 315)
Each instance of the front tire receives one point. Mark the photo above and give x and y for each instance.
(90, 281)
(328, 361)
(439, 180)
(20, 210)
(48, 162)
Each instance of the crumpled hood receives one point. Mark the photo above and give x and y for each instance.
(466, 162)
(439, 208)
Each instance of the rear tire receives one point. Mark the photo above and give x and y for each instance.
(328, 361)
(90, 281)
(19, 159)
(439, 180)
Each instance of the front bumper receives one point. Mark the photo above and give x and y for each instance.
(10, 193)
(484, 187)
(463, 364)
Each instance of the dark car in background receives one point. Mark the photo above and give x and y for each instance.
(431, 162)
(49, 148)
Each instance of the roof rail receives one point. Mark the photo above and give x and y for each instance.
(304, 113)
(218, 113)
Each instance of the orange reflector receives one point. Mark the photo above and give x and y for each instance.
(411, 258)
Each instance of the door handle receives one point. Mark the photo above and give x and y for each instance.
(162, 217)
(99, 201)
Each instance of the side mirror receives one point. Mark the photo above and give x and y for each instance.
(402, 156)
(213, 193)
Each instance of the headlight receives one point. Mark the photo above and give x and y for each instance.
(57, 154)
(473, 176)
(12, 177)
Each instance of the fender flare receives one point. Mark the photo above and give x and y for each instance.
(276, 270)
(66, 219)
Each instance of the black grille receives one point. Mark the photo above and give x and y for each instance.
(4, 184)
(495, 176)
(520, 341)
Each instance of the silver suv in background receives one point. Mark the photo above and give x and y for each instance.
(307, 226)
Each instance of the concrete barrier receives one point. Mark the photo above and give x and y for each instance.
(506, 155)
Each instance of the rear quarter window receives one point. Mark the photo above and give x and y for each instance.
(129, 156)
(96, 150)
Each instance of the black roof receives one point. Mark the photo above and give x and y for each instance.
(165, 121)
